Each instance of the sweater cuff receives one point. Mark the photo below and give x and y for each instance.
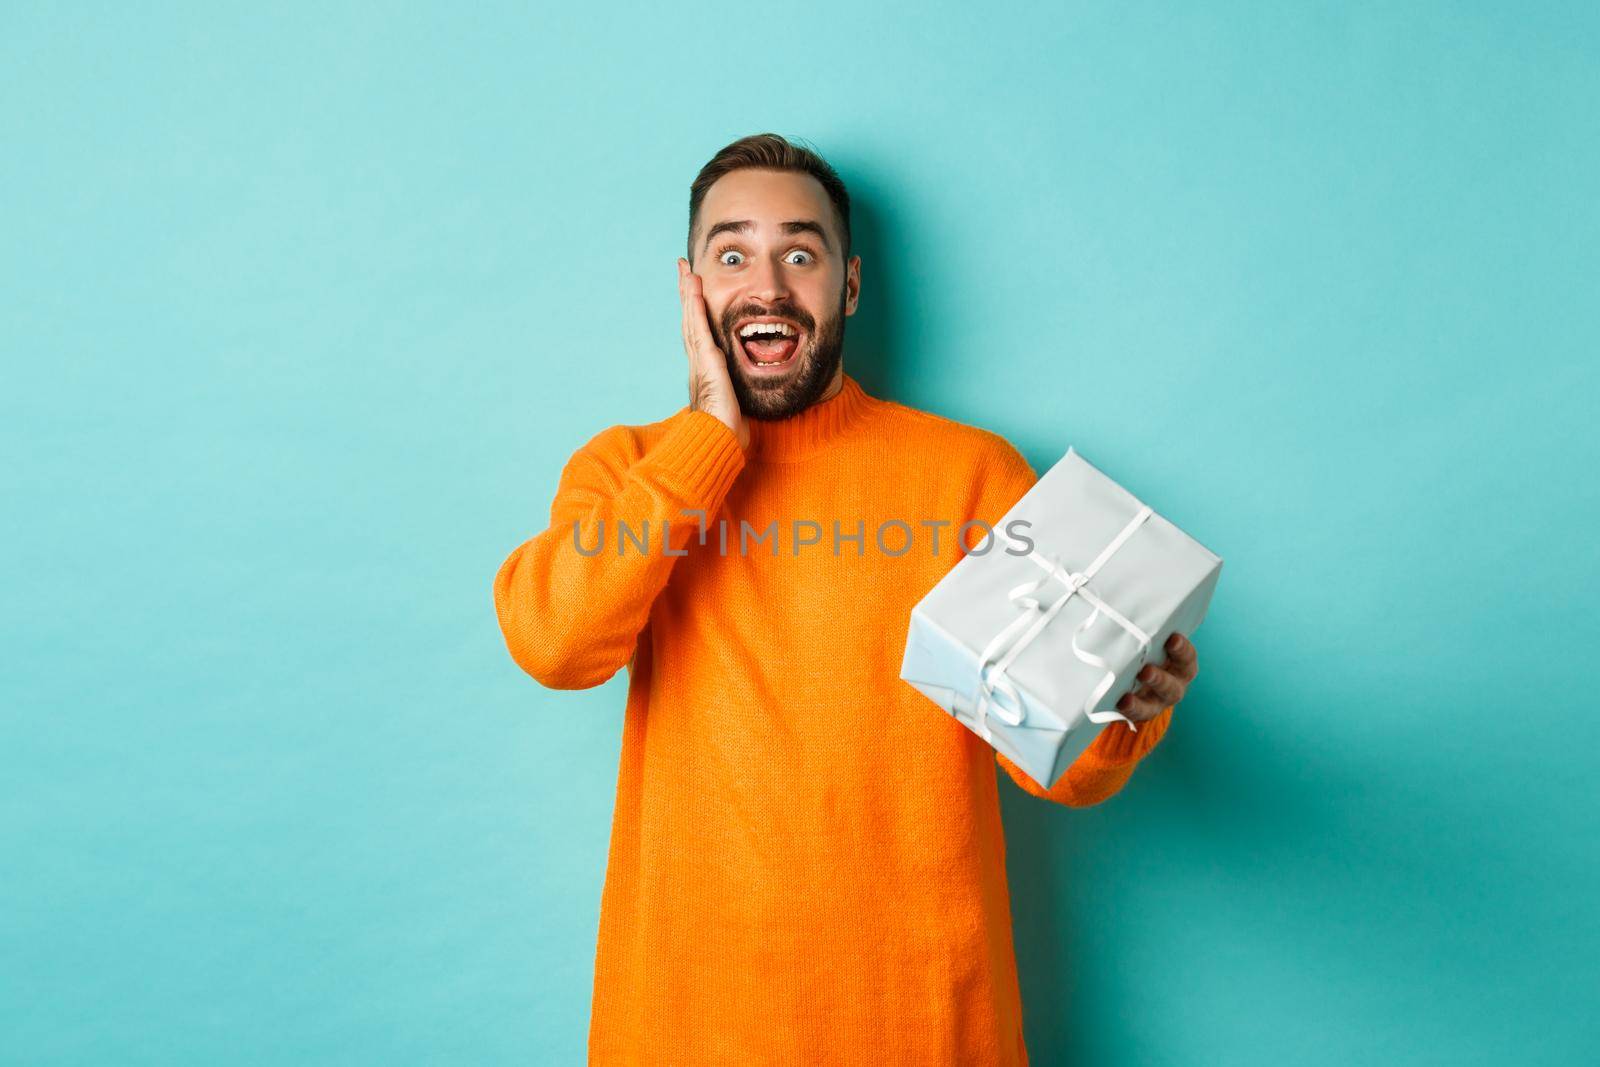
(696, 460)
(1118, 744)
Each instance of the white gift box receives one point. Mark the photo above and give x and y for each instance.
(1031, 645)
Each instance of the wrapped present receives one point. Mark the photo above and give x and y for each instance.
(1032, 637)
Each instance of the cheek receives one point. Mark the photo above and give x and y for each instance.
(820, 299)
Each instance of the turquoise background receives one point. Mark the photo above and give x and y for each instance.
(303, 310)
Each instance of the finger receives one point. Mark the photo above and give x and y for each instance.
(691, 340)
(1138, 707)
(1161, 684)
(1182, 659)
(700, 318)
(1135, 699)
(691, 331)
(683, 296)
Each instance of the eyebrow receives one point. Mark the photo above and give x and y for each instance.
(793, 226)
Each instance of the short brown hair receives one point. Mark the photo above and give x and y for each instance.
(768, 151)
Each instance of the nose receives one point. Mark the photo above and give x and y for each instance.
(767, 282)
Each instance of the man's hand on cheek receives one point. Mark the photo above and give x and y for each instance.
(710, 388)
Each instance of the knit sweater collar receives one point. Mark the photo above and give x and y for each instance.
(812, 430)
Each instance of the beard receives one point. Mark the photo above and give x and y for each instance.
(774, 398)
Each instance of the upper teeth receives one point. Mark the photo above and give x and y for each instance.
(767, 327)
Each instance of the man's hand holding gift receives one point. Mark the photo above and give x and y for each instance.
(1162, 686)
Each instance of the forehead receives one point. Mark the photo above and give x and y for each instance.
(767, 198)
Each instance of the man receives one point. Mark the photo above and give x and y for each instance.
(806, 863)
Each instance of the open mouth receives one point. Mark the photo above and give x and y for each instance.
(768, 342)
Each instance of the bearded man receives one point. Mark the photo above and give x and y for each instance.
(806, 862)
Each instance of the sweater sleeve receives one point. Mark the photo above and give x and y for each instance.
(572, 618)
(1102, 769)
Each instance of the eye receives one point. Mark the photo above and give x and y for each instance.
(725, 250)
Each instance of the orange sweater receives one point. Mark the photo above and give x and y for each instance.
(806, 862)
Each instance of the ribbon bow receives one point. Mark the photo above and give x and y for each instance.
(1003, 649)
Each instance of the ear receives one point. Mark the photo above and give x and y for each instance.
(852, 285)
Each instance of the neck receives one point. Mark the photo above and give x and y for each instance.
(835, 385)
(838, 413)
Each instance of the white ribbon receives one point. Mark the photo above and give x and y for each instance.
(1018, 634)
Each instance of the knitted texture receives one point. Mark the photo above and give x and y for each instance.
(806, 862)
